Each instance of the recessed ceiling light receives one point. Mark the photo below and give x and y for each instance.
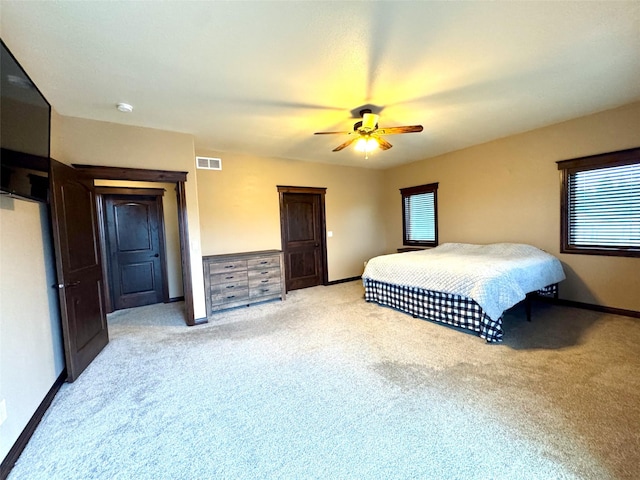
(124, 107)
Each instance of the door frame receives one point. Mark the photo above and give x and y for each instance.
(99, 172)
(132, 192)
(321, 191)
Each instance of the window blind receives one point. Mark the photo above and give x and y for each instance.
(420, 217)
(604, 207)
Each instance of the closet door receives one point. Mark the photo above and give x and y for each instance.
(303, 236)
(136, 251)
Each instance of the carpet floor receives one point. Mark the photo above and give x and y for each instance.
(325, 385)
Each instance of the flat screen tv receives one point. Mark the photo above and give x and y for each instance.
(25, 130)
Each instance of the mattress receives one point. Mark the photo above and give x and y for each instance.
(495, 276)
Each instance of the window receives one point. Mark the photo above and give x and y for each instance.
(420, 215)
(600, 206)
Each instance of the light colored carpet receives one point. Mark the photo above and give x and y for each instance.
(325, 385)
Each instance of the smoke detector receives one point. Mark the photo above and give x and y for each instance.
(124, 107)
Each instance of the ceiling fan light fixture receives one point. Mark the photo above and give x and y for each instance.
(366, 144)
(366, 136)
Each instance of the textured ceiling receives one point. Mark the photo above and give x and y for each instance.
(261, 77)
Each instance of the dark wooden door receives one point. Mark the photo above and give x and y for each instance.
(78, 265)
(136, 256)
(302, 225)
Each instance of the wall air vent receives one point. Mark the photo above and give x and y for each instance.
(208, 163)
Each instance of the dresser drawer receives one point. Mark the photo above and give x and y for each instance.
(265, 290)
(264, 273)
(257, 282)
(229, 296)
(230, 266)
(263, 262)
(221, 288)
(228, 277)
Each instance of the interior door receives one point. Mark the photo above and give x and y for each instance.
(135, 243)
(302, 225)
(78, 265)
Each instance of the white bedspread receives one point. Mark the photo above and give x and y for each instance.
(496, 276)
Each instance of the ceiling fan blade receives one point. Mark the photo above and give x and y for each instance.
(332, 133)
(384, 145)
(395, 130)
(345, 144)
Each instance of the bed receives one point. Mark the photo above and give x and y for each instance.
(464, 285)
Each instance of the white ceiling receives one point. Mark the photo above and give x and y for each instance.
(261, 77)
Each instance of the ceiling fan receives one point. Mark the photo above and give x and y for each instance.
(367, 135)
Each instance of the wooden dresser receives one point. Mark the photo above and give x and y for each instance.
(240, 279)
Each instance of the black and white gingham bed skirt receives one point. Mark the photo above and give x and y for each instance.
(442, 307)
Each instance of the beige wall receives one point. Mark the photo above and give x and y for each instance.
(31, 353)
(509, 191)
(240, 211)
(76, 140)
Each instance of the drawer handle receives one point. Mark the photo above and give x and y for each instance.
(231, 296)
(263, 273)
(228, 266)
(231, 286)
(264, 263)
(264, 290)
(265, 280)
(228, 278)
